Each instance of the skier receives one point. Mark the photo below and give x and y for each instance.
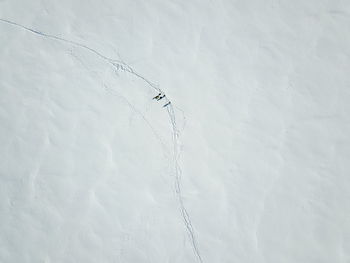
(161, 97)
(157, 97)
(166, 104)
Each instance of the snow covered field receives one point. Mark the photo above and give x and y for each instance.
(249, 162)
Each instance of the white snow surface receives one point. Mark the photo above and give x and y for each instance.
(249, 162)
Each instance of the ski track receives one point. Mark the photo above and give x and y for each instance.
(178, 173)
(125, 100)
(120, 65)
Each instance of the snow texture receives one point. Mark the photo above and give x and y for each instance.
(247, 161)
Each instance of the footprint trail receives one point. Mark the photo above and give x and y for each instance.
(120, 65)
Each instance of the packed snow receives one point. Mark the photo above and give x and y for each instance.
(243, 157)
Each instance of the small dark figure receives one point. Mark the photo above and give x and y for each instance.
(161, 97)
(166, 104)
(157, 97)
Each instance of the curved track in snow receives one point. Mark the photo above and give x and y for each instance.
(120, 65)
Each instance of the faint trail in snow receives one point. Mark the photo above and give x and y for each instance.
(119, 95)
(120, 65)
(59, 39)
(183, 116)
(131, 106)
(178, 173)
(117, 64)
